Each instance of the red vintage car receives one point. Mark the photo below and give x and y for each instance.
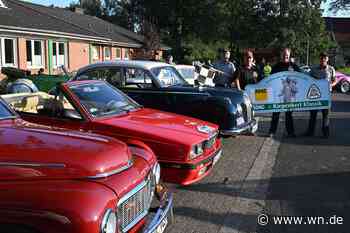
(66, 181)
(186, 148)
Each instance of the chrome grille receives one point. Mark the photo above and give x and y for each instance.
(211, 141)
(134, 205)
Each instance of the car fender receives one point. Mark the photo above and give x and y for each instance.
(55, 206)
(142, 150)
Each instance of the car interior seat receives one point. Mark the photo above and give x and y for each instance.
(52, 107)
(30, 103)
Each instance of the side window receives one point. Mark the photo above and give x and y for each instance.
(88, 75)
(137, 78)
(112, 76)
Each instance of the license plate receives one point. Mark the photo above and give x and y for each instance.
(240, 121)
(162, 226)
(217, 157)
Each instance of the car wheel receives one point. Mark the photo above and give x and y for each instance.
(344, 86)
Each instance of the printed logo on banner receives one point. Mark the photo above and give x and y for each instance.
(313, 92)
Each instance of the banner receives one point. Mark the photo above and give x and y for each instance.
(289, 91)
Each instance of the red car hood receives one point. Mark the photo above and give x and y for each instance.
(162, 124)
(30, 151)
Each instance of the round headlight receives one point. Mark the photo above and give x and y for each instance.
(109, 222)
(156, 172)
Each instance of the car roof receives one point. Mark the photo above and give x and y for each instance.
(143, 64)
(184, 66)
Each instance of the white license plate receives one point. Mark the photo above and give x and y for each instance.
(217, 157)
(162, 226)
(240, 120)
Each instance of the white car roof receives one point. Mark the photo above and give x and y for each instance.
(127, 63)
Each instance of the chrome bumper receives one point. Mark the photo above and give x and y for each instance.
(250, 127)
(164, 211)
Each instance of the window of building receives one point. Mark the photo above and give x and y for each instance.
(8, 52)
(59, 54)
(118, 53)
(95, 52)
(35, 53)
(107, 53)
(126, 54)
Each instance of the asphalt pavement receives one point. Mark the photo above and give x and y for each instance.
(278, 177)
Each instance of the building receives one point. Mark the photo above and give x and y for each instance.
(340, 33)
(34, 37)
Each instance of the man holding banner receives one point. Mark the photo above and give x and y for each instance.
(284, 65)
(327, 72)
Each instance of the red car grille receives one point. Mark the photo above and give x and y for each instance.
(135, 205)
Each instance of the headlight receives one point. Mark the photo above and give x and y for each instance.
(156, 173)
(109, 222)
(196, 150)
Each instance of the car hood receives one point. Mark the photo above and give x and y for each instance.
(168, 126)
(30, 151)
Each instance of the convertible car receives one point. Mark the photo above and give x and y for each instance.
(160, 86)
(65, 181)
(186, 148)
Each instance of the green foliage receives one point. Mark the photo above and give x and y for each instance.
(345, 70)
(194, 29)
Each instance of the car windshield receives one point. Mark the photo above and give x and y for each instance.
(5, 113)
(101, 99)
(168, 76)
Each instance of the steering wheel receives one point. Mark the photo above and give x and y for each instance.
(110, 105)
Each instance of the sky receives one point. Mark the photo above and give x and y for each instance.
(64, 3)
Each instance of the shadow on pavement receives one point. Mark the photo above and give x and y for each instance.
(322, 195)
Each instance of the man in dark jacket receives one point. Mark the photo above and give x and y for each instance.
(248, 73)
(321, 71)
(284, 65)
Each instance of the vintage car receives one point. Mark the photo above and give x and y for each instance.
(66, 181)
(342, 82)
(160, 86)
(186, 148)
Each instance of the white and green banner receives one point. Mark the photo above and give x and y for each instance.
(289, 91)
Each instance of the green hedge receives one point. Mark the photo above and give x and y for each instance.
(345, 70)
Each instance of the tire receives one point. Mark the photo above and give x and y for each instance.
(7, 228)
(344, 86)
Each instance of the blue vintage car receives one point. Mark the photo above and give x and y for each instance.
(160, 86)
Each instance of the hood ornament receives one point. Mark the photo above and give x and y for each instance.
(205, 129)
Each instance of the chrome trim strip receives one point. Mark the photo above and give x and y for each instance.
(132, 192)
(69, 134)
(115, 171)
(24, 164)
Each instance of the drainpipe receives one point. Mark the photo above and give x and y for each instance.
(50, 65)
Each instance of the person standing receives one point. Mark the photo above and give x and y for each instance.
(284, 65)
(321, 71)
(170, 60)
(248, 73)
(225, 76)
